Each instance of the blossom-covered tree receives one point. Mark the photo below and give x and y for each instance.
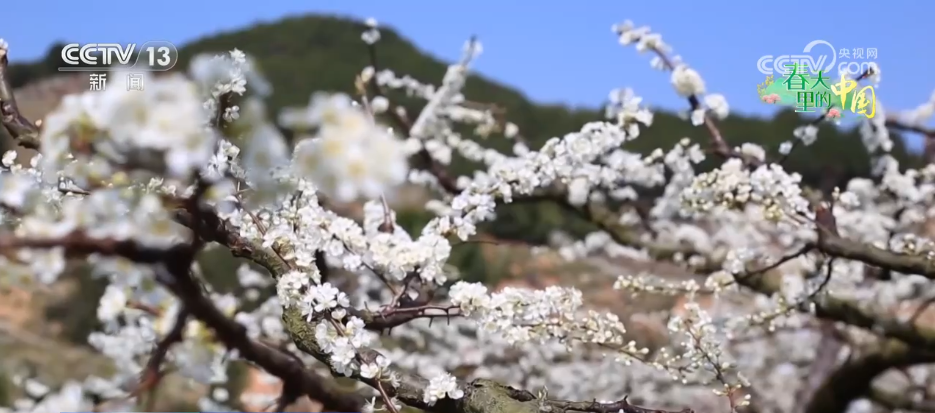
(811, 302)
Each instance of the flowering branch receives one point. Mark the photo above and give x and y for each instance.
(397, 115)
(613, 407)
(154, 373)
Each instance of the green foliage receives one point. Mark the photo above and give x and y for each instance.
(219, 269)
(238, 374)
(23, 73)
(78, 313)
(6, 390)
(182, 406)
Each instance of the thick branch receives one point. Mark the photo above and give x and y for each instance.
(24, 132)
(425, 158)
(615, 407)
(836, 309)
(153, 372)
(928, 151)
(837, 246)
(77, 244)
(826, 358)
(270, 359)
(910, 345)
(853, 379)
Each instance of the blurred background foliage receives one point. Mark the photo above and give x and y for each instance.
(301, 55)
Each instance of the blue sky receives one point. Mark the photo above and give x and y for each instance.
(554, 51)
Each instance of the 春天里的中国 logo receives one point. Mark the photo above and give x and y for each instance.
(806, 82)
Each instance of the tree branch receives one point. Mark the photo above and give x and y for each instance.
(174, 264)
(838, 246)
(614, 407)
(853, 379)
(24, 132)
(274, 361)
